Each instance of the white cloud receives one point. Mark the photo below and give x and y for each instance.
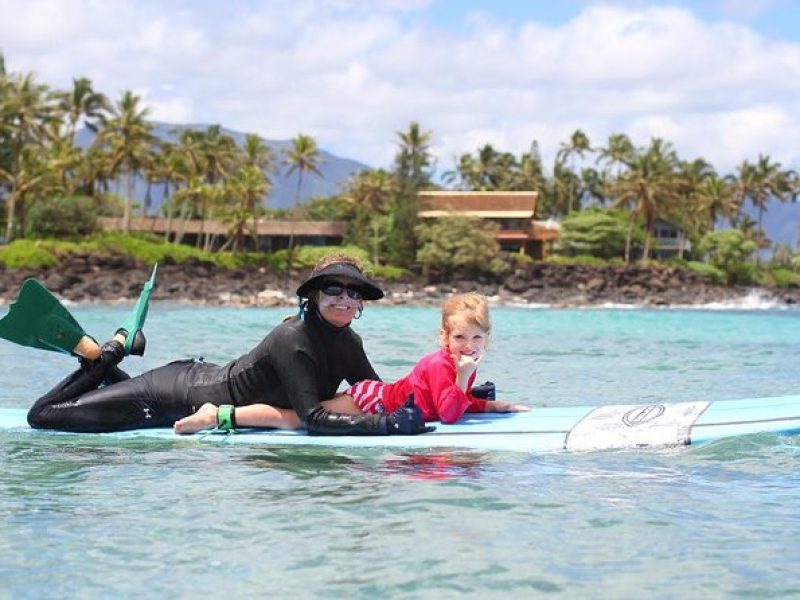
(353, 74)
(172, 110)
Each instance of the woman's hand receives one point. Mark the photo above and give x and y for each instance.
(499, 406)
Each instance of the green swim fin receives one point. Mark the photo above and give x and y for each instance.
(37, 319)
(135, 321)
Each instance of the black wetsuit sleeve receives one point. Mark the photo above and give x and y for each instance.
(324, 422)
(362, 368)
(300, 374)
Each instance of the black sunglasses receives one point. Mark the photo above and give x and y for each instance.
(334, 288)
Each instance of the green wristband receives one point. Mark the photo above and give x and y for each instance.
(226, 418)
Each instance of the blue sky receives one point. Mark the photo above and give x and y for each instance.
(771, 18)
(718, 79)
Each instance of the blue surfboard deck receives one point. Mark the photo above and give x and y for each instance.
(576, 428)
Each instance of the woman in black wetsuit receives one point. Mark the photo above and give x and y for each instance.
(300, 363)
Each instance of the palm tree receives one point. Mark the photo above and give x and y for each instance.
(713, 198)
(648, 187)
(126, 136)
(28, 180)
(219, 157)
(592, 185)
(257, 154)
(413, 170)
(489, 170)
(618, 152)
(26, 108)
(371, 195)
(190, 198)
(169, 167)
(82, 102)
(530, 174)
(462, 175)
(302, 157)
(247, 188)
(561, 189)
(771, 182)
(92, 171)
(413, 160)
(190, 150)
(578, 145)
(485, 167)
(63, 159)
(219, 153)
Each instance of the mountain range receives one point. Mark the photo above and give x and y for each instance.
(335, 170)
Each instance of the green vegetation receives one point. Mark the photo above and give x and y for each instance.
(59, 217)
(710, 272)
(610, 196)
(585, 260)
(150, 249)
(458, 245)
(782, 277)
(594, 232)
(729, 251)
(28, 254)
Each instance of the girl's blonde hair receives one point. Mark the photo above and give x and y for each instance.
(470, 308)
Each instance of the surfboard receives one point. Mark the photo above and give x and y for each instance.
(571, 428)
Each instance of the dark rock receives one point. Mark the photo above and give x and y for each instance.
(99, 278)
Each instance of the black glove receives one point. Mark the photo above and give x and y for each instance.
(407, 420)
(485, 391)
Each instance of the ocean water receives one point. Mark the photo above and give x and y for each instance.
(97, 518)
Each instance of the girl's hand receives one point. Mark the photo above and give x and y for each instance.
(465, 367)
(505, 407)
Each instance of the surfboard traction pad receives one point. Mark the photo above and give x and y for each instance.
(635, 426)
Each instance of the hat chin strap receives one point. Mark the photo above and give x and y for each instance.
(302, 307)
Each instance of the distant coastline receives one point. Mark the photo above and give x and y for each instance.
(110, 280)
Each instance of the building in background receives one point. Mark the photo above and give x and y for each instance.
(513, 212)
(669, 241)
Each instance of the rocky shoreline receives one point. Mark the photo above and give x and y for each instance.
(98, 279)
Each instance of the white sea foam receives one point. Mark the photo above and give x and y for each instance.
(754, 300)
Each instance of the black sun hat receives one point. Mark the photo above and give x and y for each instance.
(369, 290)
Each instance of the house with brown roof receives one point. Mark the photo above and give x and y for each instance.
(513, 211)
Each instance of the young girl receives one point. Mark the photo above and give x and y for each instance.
(441, 382)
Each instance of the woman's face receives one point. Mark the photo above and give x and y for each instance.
(339, 309)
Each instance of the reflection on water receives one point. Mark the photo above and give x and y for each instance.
(437, 465)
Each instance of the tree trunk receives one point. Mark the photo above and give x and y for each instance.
(11, 202)
(167, 203)
(628, 240)
(126, 215)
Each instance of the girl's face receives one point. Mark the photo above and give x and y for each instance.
(464, 339)
(338, 309)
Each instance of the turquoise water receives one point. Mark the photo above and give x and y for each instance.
(87, 517)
